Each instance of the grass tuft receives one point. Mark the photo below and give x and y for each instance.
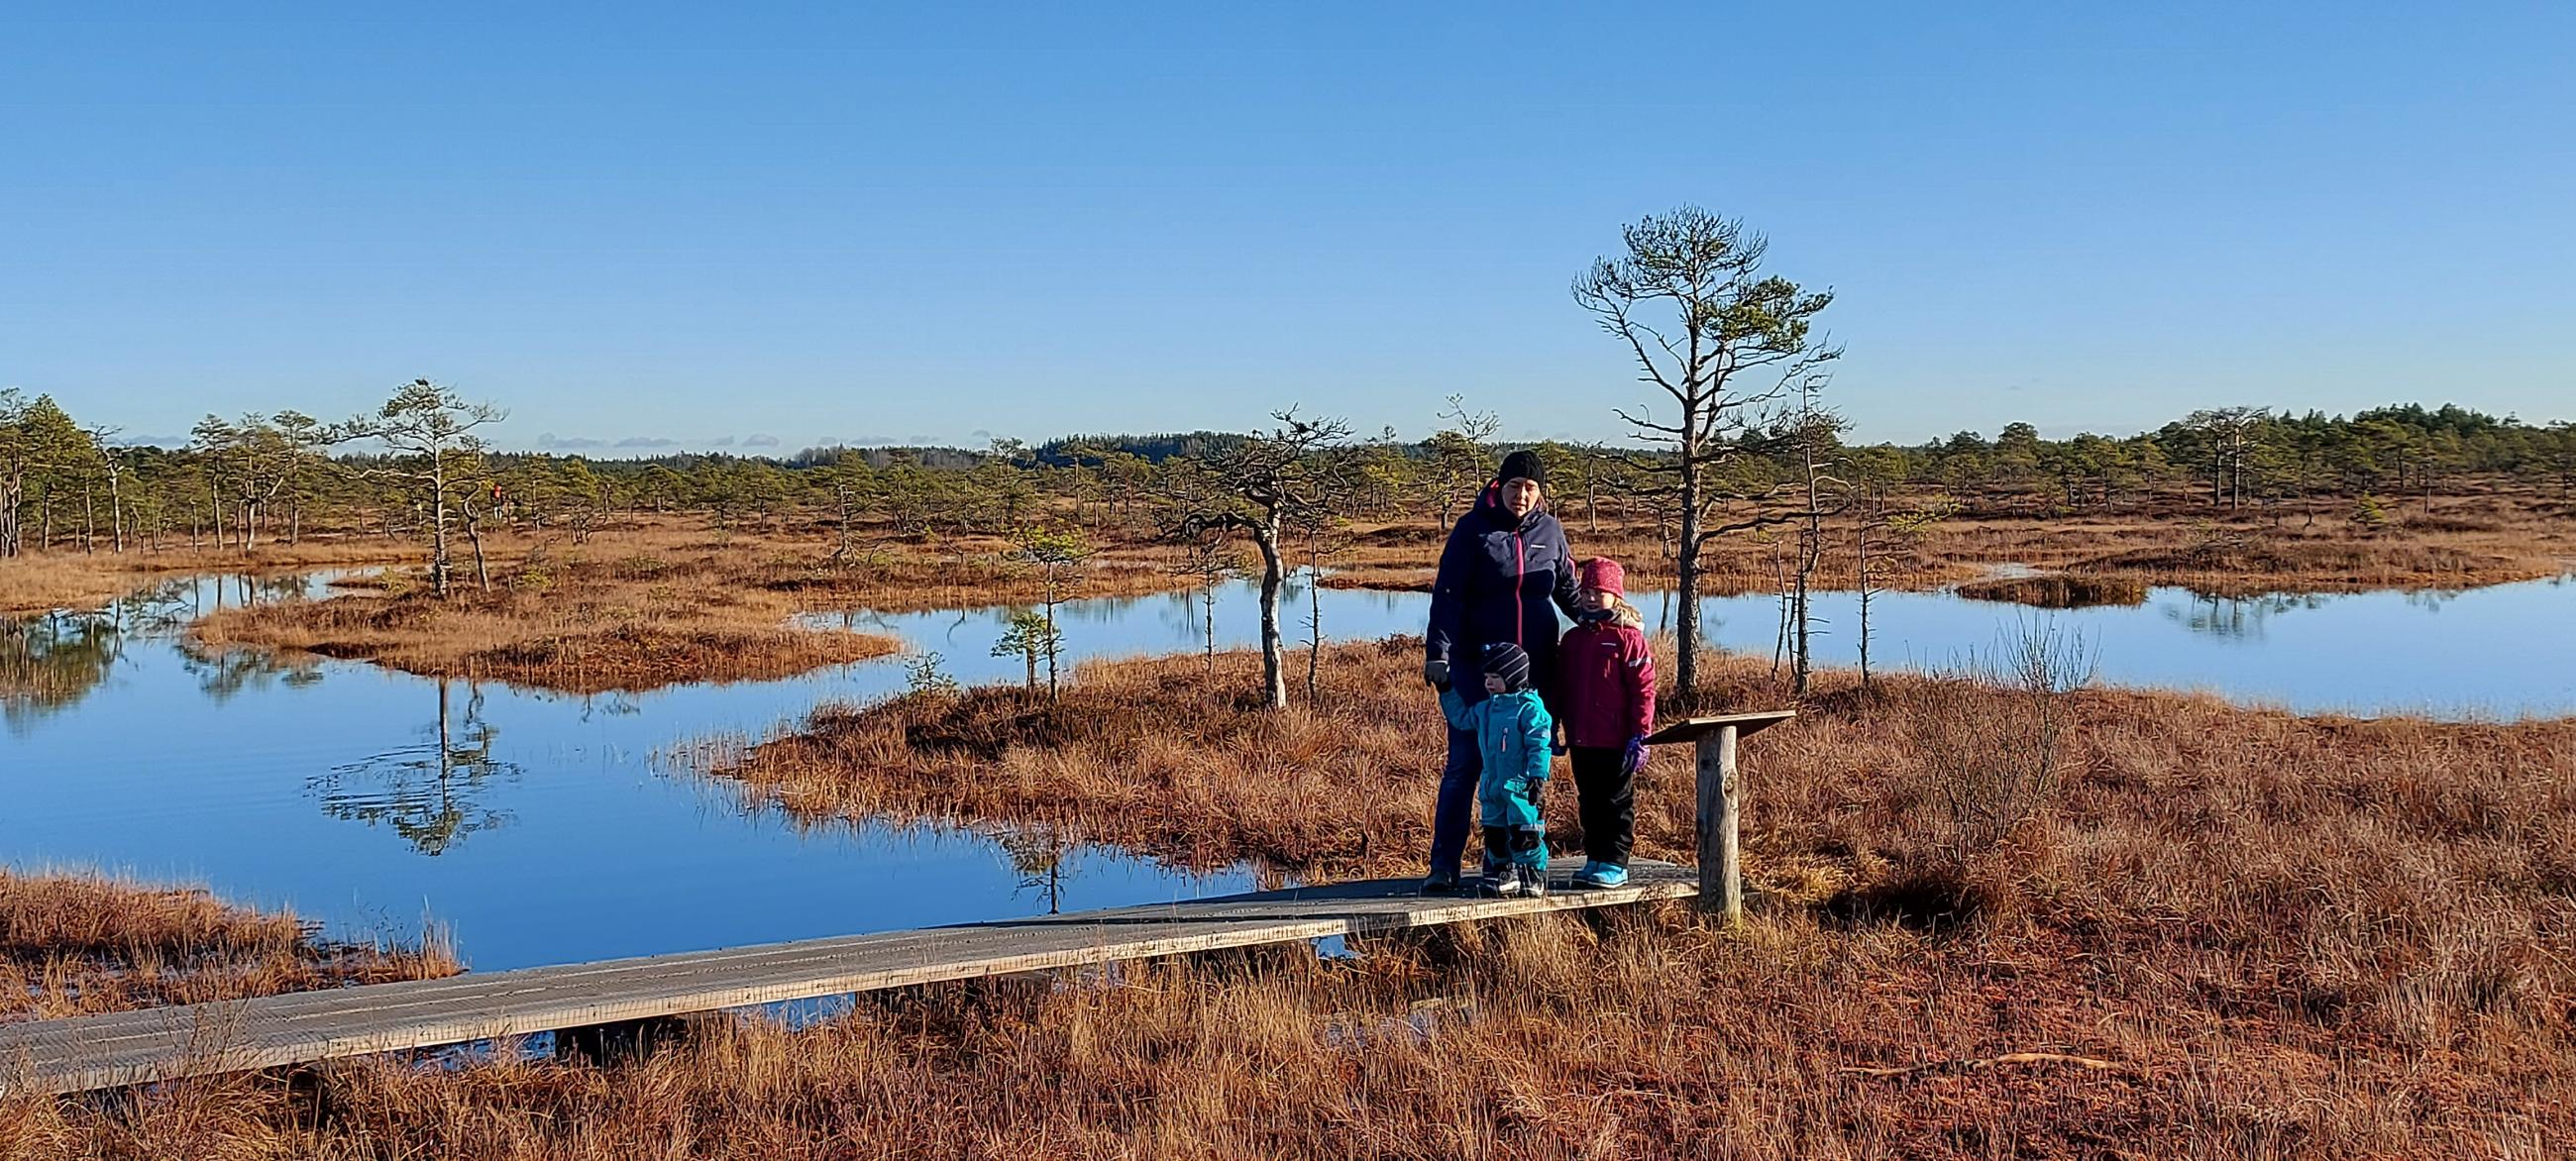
(74, 944)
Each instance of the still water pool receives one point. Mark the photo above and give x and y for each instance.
(543, 828)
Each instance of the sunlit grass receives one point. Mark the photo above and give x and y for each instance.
(77, 943)
(2276, 936)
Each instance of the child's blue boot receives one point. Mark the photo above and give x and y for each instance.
(1604, 875)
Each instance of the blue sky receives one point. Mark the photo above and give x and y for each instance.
(633, 224)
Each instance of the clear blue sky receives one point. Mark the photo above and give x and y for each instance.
(941, 221)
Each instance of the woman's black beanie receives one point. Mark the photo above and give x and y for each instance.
(1522, 465)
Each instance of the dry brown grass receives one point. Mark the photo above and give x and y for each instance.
(73, 944)
(2479, 537)
(1649, 1036)
(2293, 936)
(2283, 937)
(633, 608)
(1150, 755)
(2287, 937)
(898, 578)
(1402, 558)
(2232, 561)
(606, 617)
(42, 581)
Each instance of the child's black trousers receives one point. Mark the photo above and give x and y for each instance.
(1606, 797)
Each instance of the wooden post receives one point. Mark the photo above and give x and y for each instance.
(1721, 802)
(1721, 866)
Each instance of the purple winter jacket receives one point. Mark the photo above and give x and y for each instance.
(1500, 580)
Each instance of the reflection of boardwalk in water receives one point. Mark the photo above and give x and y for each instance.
(132, 1047)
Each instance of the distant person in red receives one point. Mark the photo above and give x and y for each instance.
(1606, 680)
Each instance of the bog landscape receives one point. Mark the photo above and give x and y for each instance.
(2198, 785)
(2278, 903)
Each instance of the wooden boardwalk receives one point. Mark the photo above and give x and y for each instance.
(92, 1052)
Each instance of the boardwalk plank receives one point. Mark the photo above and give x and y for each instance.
(58, 1056)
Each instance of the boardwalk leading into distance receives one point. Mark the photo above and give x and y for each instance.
(91, 1052)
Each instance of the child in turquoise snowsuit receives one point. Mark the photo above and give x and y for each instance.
(1513, 730)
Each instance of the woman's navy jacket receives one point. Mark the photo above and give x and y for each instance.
(1500, 580)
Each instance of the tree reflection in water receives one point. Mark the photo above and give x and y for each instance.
(49, 663)
(1039, 855)
(2240, 618)
(428, 793)
(226, 673)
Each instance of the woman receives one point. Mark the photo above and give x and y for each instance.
(1504, 574)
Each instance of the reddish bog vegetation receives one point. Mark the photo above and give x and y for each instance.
(656, 605)
(2477, 538)
(584, 622)
(76, 944)
(1998, 920)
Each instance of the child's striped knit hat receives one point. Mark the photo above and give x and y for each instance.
(1509, 662)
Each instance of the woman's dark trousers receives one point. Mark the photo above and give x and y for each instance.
(1457, 808)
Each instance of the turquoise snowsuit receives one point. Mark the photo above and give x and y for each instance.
(1512, 735)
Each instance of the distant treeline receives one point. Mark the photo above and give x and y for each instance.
(274, 476)
(2249, 454)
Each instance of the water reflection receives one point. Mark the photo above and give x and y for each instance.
(2248, 618)
(2432, 600)
(224, 674)
(430, 793)
(536, 826)
(49, 663)
(127, 749)
(1039, 855)
(2236, 618)
(178, 600)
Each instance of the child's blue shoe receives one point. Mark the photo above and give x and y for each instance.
(1602, 875)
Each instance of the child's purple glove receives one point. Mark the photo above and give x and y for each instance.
(1635, 759)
